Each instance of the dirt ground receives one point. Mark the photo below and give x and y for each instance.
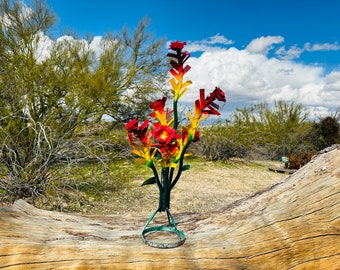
(205, 187)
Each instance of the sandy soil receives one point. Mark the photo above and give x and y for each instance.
(205, 187)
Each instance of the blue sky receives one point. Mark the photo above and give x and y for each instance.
(267, 50)
(298, 21)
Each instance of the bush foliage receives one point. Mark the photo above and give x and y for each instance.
(52, 104)
(261, 132)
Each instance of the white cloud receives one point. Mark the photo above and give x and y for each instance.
(249, 75)
(43, 46)
(217, 39)
(96, 45)
(332, 81)
(294, 51)
(322, 47)
(214, 43)
(263, 45)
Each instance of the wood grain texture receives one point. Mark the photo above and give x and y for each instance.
(294, 224)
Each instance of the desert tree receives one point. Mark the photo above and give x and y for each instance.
(128, 74)
(272, 131)
(51, 100)
(26, 147)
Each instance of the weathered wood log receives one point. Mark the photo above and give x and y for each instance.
(294, 224)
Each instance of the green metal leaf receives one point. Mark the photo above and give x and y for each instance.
(150, 181)
(185, 167)
(158, 155)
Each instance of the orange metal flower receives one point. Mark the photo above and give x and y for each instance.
(160, 142)
(160, 112)
(178, 69)
(164, 134)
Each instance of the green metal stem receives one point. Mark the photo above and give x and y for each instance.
(164, 195)
(175, 115)
(181, 160)
(155, 173)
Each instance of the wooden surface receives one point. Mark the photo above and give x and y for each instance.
(294, 224)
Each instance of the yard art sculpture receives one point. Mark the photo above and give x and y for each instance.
(164, 143)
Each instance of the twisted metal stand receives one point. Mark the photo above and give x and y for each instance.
(171, 228)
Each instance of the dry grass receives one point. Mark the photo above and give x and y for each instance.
(205, 187)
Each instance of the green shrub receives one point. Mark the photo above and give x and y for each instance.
(258, 132)
(325, 132)
(219, 142)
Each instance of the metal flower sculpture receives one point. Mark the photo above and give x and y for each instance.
(163, 143)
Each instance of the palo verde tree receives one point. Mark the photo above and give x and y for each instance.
(26, 146)
(272, 132)
(48, 97)
(123, 79)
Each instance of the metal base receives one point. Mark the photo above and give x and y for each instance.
(171, 228)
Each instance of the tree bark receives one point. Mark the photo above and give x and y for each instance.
(294, 224)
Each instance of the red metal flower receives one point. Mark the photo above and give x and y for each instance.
(132, 125)
(164, 134)
(177, 45)
(161, 142)
(219, 94)
(158, 105)
(207, 105)
(160, 113)
(178, 69)
(197, 137)
(135, 131)
(167, 141)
